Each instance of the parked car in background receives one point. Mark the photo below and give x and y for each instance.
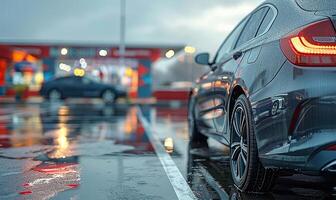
(82, 87)
(271, 93)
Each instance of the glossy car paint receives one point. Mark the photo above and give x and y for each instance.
(293, 107)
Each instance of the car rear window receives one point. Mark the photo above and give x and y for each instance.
(317, 5)
(266, 22)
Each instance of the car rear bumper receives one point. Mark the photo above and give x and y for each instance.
(295, 119)
(314, 131)
(304, 145)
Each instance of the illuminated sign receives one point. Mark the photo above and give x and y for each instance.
(73, 52)
(133, 53)
(28, 50)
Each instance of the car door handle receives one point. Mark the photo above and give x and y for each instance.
(237, 55)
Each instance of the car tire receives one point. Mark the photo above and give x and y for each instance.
(54, 95)
(108, 96)
(247, 171)
(196, 137)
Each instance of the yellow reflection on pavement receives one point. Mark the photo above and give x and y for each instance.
(169, 145)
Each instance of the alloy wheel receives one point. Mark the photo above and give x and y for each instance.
(55, 95)
(239, 147)
(108, 96)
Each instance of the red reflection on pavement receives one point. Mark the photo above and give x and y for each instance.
(73, 186)
(59, 168)
(26, 184)
(25, 192)
(67, 177)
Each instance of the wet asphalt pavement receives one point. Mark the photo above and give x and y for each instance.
(96, 151)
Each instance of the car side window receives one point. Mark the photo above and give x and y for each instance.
(266, 22)
(60, 80)
(70, 81)
(229, 42)
(252, 26)
(64, 80)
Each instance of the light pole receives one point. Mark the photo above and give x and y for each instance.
(122, 50)
(122, 46)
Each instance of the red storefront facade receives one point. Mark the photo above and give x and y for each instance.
(32, 64)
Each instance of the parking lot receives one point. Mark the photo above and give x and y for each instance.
(96, 151)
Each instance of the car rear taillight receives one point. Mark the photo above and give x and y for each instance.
(313, 45)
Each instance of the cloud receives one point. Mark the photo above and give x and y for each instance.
(213, 24)
(201, 23)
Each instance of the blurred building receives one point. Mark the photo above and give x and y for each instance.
(31, 64)
(179, 72)
(173, 77)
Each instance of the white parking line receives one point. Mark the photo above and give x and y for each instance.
(175, 177)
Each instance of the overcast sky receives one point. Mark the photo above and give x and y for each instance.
(202, 23)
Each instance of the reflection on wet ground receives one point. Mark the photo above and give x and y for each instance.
(92, 151)
(82, 151)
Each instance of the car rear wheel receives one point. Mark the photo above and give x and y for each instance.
(108, 96)
(54, 95)
(247, 171)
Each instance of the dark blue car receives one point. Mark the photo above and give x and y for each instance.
(83, 87)
(270, 94)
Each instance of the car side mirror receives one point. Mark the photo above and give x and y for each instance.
(202, 59)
